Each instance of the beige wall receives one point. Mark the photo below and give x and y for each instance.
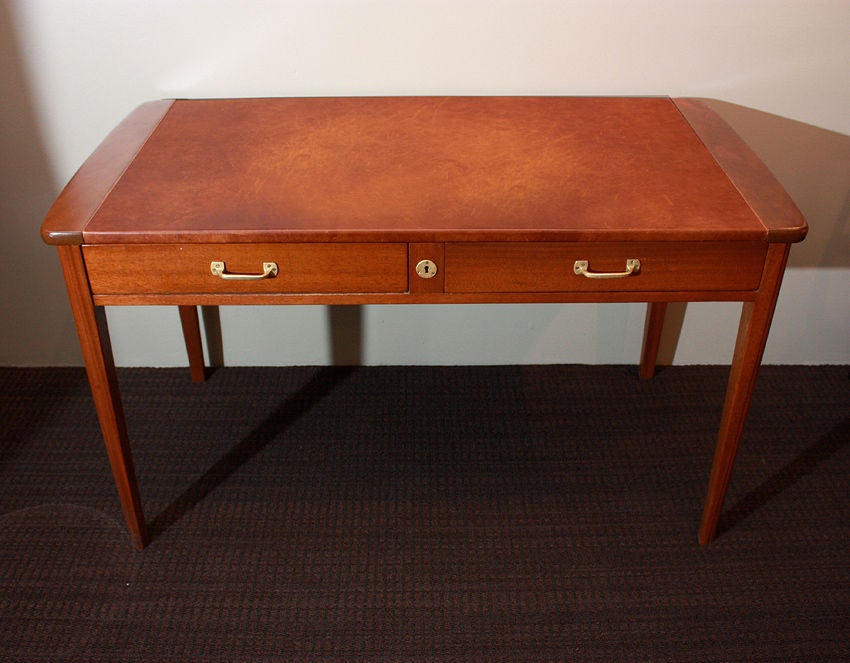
(71, 70)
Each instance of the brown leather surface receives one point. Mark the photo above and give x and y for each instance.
(423, 169)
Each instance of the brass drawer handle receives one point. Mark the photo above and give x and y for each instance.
(581, 268)
(269, 271)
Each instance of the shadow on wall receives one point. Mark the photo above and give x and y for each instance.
(38, 328)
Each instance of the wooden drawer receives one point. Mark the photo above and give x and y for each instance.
(302, 268)
(549, 266)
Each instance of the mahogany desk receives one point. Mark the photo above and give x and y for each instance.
(422, 200)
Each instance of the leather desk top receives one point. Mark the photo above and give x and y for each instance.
(413, 169)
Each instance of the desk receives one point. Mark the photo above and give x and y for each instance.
(422, 200)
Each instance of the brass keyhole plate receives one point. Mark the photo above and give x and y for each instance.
(426, 269)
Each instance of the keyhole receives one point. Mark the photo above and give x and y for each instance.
(426, 269)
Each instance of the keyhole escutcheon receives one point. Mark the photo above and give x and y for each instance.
(426, 269)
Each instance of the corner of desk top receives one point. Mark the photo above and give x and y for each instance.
(61, 237)
(758, 186)
(82, 196)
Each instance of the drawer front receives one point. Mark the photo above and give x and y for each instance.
(301, 268)
(551, 266)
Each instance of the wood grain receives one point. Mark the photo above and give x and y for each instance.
(753, 330)
(548, 267)
(303, 268)
(97, 354)
(191, 327)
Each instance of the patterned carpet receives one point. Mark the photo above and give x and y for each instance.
(519, 513)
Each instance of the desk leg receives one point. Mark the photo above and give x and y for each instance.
(653, 327)
(192, 338)
(100, 367)
(753, 329)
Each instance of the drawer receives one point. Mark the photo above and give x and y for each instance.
(550, 266)
(301, 268)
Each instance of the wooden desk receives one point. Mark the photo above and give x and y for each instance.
(422, 200)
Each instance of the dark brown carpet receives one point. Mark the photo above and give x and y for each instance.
(426, 514)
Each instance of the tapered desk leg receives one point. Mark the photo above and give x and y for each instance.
(192, 338)
(753, 329)
(100, 367)
(653, 327)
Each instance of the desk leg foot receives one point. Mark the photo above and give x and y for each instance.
(655, 312)
(192, 338)
(753, 329)
(97, 354)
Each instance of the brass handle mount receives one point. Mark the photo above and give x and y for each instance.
(218, 269)
(581, 268)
